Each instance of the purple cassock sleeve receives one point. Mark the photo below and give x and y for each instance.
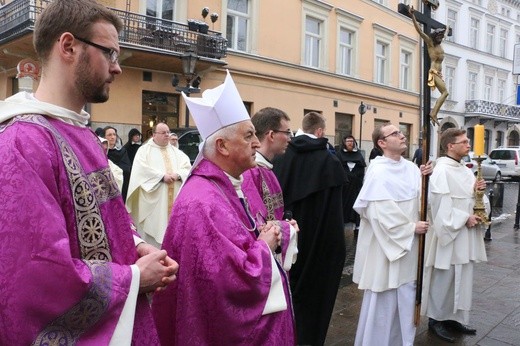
(224, 272)
(66, 241)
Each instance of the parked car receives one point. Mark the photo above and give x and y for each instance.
(489, 169)
(189, 140)
(507, 159)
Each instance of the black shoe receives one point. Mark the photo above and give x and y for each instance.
(438, 328)
(459, 327)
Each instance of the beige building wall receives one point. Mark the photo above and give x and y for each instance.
(271, 71)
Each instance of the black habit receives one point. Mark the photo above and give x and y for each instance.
(312, 181)
(120, 158)
(355, 176)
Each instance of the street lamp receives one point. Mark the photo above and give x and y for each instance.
(362, 110)
(189, 60)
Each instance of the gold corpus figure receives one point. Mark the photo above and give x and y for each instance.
(436, 53)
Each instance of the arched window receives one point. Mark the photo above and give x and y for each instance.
(512, 139)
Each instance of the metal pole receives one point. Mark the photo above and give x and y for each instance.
(517, 218)
(487, 236)
(187, 112)
(360, 130)
(361, 110)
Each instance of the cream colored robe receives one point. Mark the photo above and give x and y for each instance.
(386, 253)
(149, 198)
(450, 245)
(117, 173)
(388, 203)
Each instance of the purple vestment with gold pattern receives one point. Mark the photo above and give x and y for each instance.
(66, 239)
(265, 196)
(224, 273)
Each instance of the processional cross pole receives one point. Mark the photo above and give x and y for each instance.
(429, 24)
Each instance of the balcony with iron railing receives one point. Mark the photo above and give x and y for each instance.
(139, 31)
(492, 110)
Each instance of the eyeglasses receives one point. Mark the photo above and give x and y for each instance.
(288, 132)
(113, 56)
(163, 133)
(462, 142)
(393, 134)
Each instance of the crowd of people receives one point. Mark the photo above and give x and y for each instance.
(245, 247)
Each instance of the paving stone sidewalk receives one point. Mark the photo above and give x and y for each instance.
(496, 295)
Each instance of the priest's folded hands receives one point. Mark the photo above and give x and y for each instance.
(270, 232)
(171, 178)
(156, 267)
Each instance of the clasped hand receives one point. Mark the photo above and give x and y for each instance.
(156, 267)
(170, 178)
(271, 234)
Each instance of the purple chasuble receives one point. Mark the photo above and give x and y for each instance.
(264, 195)
(67, 242)
(224, 272)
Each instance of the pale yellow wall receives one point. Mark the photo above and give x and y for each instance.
(125, 103)
(271, 74)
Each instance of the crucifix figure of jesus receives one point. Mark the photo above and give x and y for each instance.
(436, 53)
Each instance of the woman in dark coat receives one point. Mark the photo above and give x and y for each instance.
(119, 156)
(354, 165)
(134, 142)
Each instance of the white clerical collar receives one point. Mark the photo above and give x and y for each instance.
(310, 135)
(153, 144)
(262, 161)
(25, 103)
(237, 184)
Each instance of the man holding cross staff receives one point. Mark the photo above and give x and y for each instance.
(390, 249)
(387, 249)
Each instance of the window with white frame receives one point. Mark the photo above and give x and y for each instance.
(502, 43)
(449, 75)
(473, 33)
(490, 38)
(451, 21)
(313, 41)
(382, 62)
(238, 24)
(348, 25)
(405, 73)
(488, 88)
(162, 9)
(499, 138)
(505, 11)
(501, 86)
(472, 85)
(346, 51)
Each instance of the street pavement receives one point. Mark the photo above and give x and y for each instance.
(496, 293)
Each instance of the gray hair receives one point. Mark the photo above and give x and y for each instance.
(209, 149)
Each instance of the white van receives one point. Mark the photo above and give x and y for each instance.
(508, 160)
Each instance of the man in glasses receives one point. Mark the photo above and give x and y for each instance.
(74, 271)
(457, 240)
(312, 182)
(261, 185)
(157, 175)
(385, 265)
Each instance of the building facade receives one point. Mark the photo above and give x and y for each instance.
(478, 69)
(296, 55)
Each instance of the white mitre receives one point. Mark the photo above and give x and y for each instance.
(217, 108)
